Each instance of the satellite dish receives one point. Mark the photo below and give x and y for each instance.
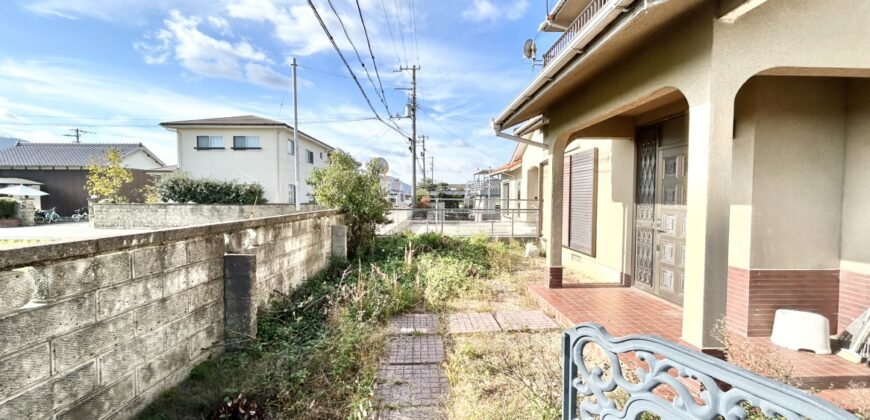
(382, 164)
(530, 50)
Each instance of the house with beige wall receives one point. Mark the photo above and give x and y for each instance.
(714, 154)
(251, 149)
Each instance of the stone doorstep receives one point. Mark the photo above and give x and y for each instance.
(402, 386)
(410, 350)
(525, 320)
(471, 322)
(414, 324)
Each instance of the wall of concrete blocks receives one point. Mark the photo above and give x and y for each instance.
(139, 216)
(97, 329)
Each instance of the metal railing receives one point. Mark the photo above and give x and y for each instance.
(573, 29)
(701, 386)
(466, 217)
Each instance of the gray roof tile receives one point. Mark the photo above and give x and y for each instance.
(64, 154)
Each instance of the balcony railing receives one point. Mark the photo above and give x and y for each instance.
(573, 29)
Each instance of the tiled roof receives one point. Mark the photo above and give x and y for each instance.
(239, 121)
(65, 154)
(245, 120)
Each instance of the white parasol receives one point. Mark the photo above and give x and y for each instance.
(21, 190)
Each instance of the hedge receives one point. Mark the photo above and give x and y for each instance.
(181, 188)
(8, 208)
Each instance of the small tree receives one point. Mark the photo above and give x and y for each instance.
(357, 192)
(105, 182)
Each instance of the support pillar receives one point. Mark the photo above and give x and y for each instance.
(708, 209)
(240, 304)
(554, 242)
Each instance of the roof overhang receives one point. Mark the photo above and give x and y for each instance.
(306, 137)
(598, 45)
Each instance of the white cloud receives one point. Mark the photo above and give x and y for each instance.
(486, 11)
(207, 55)
(265, 76)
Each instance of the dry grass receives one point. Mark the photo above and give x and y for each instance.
(504, 375)
(755, 357)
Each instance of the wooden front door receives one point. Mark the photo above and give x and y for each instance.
(660, 213)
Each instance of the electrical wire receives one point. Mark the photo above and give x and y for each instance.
(390, 30)
(380, 94)
(372, 53)
(414, 26)
(394, 126)
(344, 76)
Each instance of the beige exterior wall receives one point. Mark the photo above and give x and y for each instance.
(271, 166)
(708, 61)
(855, 245)
(140, 160)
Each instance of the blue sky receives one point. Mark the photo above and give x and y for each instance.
(118, 67)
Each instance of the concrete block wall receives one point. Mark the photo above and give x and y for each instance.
(139, 216)
(97, 329)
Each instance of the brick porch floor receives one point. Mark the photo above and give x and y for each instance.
(626, 310)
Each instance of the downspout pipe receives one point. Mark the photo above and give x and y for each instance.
(532, 125)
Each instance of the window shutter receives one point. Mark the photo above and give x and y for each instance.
(583, 201)
(566, 201)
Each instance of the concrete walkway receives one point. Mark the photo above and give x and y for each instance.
(64, 231)
(411, 382)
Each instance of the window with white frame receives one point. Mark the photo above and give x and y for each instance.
(209, 142)
(246, 142)
(291, 194)
(309, 156)
(291, 147)
(321, 155)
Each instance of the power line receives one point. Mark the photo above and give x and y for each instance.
(350, 70)
(380, 94)
(390, 29)
(401, 30)
(155, 126)
(344, 76)
(372, 53)
(414, 25)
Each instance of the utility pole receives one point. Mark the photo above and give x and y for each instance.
(297, 192)
(78, 134)
(432, 168)
(412, 111)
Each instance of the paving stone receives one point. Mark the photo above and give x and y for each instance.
(405, 349)
(401, 386)
(471, 322)
(414, 324)
(410, 413)
(525, 320)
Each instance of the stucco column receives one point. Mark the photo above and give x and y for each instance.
(554, 242)
(708, 206)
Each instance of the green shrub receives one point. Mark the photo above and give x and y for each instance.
(8, 208)
(182, 188)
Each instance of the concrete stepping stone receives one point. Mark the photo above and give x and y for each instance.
(402, 386)
(525, 320)
(414, 324)
(471, 322)
(414, 349)
(411, 413)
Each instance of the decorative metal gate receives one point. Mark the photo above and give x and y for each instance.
(665, 368)
(644, 225)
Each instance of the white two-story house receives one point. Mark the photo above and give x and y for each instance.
(250, 149)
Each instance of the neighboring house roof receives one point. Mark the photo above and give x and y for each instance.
(6, 142)
(18, 181)
(167, 169)
(507, 167)
(239, 121)
(67, 154)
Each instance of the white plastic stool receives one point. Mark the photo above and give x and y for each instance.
(799, 330)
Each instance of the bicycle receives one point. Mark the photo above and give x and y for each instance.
(46, 216)
(80, 215)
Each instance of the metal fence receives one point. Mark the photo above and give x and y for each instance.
(700, 386)
(491, 216)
